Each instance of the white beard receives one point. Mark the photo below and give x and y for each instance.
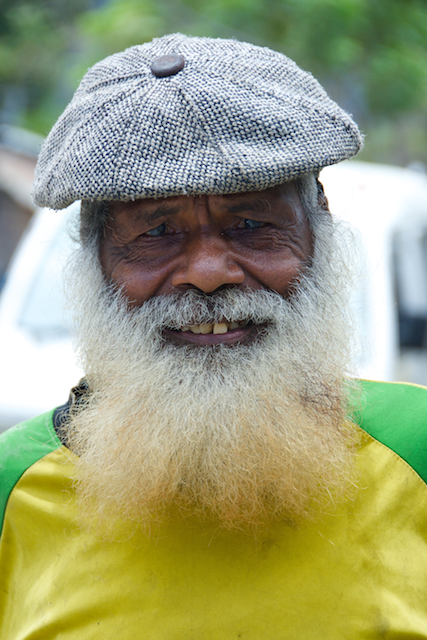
(242, 434)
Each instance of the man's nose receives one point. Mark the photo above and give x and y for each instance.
(208, 263)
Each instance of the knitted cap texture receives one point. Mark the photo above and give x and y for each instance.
(235, 118)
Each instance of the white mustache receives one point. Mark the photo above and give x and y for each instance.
(194, 308)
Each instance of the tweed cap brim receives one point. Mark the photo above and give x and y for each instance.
(236, 118)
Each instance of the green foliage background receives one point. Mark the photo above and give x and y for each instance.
(371, 55)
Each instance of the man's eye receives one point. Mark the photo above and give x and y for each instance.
(252, 224)
(157, 231)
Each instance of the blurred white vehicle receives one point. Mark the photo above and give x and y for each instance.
(37, 363)
(386, 206)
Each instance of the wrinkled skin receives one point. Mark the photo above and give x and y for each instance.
(256, 240)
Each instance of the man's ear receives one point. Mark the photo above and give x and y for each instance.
(321, 198)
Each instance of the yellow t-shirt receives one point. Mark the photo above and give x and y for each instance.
(359, 572)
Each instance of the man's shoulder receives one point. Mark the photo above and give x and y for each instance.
(20, 448)
(395, 414)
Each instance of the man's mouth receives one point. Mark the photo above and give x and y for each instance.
(218, 328)
(215, 333)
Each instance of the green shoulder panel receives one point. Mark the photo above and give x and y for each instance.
(395, 414)
(21, 447)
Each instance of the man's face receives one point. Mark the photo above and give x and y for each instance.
(257, 240)
(241, 430)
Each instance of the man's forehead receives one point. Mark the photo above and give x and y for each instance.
(231, 202)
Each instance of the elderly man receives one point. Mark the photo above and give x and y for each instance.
(216, 474)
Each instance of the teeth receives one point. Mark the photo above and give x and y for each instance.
(206, 328)
(220, 327)
(217, 328)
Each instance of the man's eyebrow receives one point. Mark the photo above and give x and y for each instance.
(258, 206)
(159, 212)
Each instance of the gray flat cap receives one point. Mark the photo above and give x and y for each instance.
(182, 115)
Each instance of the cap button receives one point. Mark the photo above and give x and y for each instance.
(167, 65)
